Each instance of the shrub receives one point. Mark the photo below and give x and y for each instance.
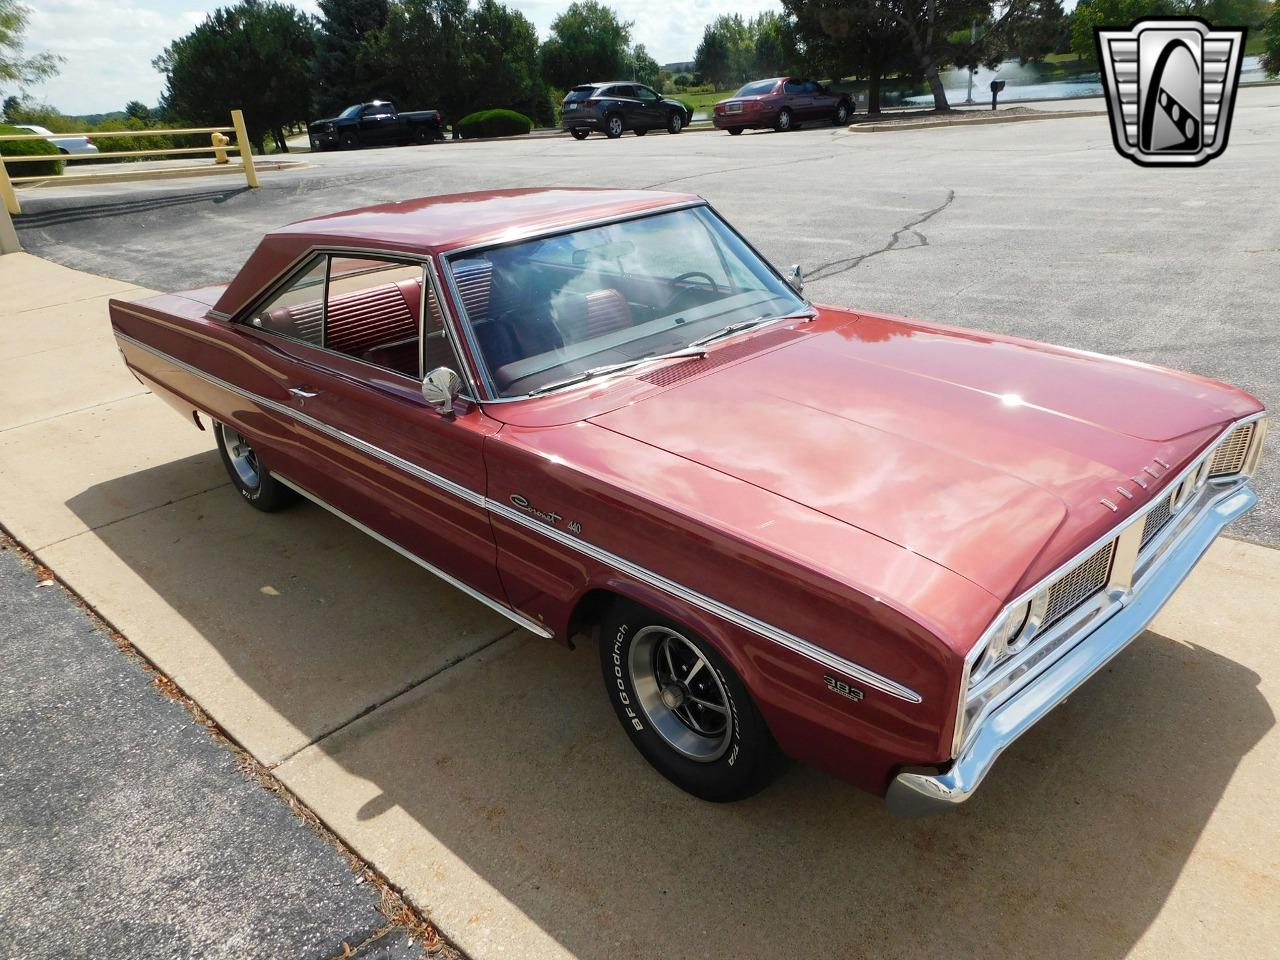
(29, 148)
(688, 108)
(493, 123)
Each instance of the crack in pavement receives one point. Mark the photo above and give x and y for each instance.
(844, 264)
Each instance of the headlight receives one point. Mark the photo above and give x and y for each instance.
(1006, 634)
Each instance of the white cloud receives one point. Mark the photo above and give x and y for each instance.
(109, 44)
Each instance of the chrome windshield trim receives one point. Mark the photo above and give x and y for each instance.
(496, 605)
(781, 637)
(790, 641)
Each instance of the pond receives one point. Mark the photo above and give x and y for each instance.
(1035, 81)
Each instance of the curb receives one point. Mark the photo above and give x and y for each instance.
(980, 121)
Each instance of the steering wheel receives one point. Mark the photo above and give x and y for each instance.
(671, 306)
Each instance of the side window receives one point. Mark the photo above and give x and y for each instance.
(298, 311)
(793, 86)
(626, 92)
(371, 311)
(644, 93)
(811, 86)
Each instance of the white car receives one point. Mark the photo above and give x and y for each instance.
(64, 144)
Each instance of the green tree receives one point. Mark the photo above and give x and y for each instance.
(255, 56)
(425, 39)
(726, 55)
(839, 40)
(774, 44)
(349, 63)
(1271, 43)
(645, 69)
(1089, 14)
(16, 68)
(588, 42)
(137, 110)
(501, 46)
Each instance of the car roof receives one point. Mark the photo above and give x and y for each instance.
(433, 226)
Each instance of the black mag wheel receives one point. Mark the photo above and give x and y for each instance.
(640, 131)
(248, 474)
(683, 707)
(734, 131)
(349, 141)
(580, 133)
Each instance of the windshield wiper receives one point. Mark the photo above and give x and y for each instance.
(732, 328)
(693, 350)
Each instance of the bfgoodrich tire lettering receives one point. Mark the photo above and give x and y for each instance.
(713, 744)
(248, 474)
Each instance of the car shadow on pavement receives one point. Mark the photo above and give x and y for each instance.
(509, 765)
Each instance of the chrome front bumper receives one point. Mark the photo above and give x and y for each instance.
(918, 791)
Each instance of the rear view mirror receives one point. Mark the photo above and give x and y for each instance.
(440, 388)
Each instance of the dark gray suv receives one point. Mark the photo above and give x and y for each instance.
(617, 105)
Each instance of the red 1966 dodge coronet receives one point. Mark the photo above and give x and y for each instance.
(881, 546)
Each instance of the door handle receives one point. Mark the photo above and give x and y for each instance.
(303, 394)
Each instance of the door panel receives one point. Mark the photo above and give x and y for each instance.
(382, 456)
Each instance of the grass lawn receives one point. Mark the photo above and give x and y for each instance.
(702, 102)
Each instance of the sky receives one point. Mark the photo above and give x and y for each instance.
(109, 44)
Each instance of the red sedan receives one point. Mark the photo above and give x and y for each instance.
(782, 104)
(884, 547)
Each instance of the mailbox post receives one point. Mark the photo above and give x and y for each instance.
(996, 87)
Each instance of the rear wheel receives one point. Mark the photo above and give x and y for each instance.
(675, 122)
(734, 131)
(784, 122)
(424, 135)
(842, 115)
(580, 133)
(248, 474)
(683, 707)
(613, 126)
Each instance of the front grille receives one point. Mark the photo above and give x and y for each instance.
(1074, 588)
(1229, 457)
(1154, 521)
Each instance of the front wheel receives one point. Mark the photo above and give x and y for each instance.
(842, 115)
(349, 141)
(248, 474)
(580, 133)
(613, 127)
(683, 707)
(675, 122)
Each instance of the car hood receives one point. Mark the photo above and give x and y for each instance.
(989, 456)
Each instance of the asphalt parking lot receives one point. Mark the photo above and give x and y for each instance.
(481, 770)
(1038, 229)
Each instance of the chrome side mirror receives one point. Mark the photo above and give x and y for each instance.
(440, 388)
(796, 278)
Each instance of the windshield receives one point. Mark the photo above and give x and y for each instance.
(552, 309)
(756, 88)
(351, 112)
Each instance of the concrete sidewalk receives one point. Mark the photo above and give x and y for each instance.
(482, 771)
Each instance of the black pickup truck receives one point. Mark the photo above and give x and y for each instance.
(376, 123)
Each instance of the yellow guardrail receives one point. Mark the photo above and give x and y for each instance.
(218, 147)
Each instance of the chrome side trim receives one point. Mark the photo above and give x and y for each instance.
(488, 601)
(793, 643)
(796, 644)
(377, 453)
